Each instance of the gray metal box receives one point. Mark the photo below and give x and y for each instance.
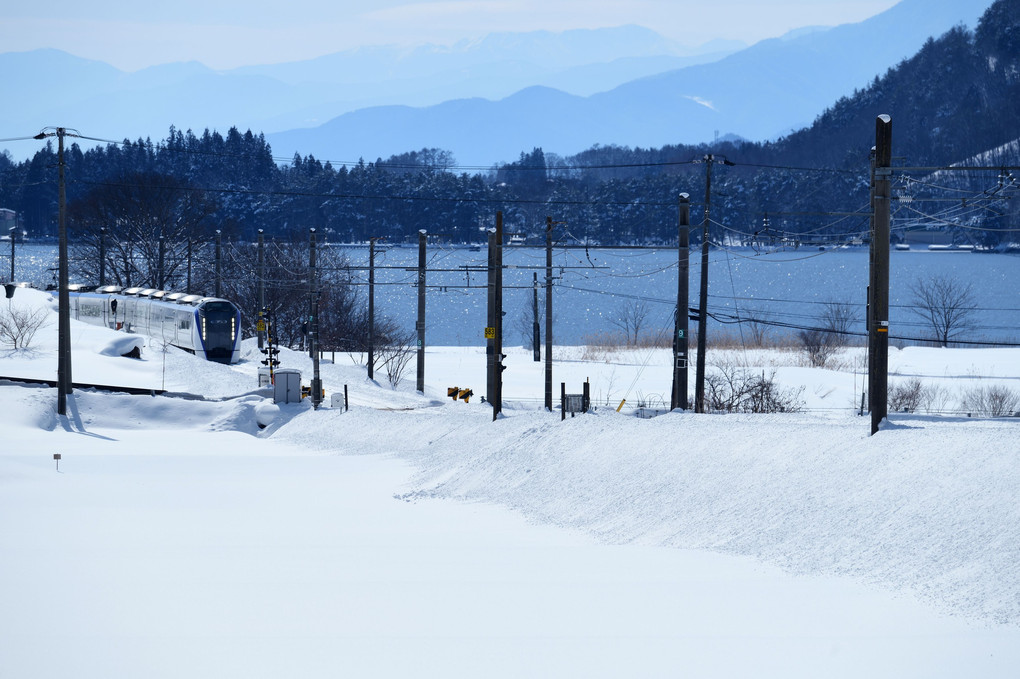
(287, 386)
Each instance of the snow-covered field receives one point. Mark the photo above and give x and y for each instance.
(414, 536)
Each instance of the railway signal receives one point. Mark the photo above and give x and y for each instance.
(270, 351)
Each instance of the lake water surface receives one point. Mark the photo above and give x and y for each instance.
(593, 287)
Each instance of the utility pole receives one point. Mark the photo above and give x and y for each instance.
(420, 325)
(498, 403)
(313, 323)
(14, 230)
(102, 257)
(548, 314)
(490, 321)
(64, 381)
(878, 334)
(699, 378)
(680, 337)
(871, 279)
(219, 263)
(494, 329)
(260, 327)
(160, 262)
(536, 335)
(312, 292)
(371, 308)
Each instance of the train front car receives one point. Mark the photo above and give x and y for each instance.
(219, 329)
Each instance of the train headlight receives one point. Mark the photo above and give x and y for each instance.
(203, 328)
(233, 328)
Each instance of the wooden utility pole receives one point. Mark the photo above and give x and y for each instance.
(878, 334)
(313, 324)
(494, 321)
(420, 325)
(699, 378)
(371, 308)
(219, 263)
(312, 293)
(536, 334)
(548, 314)
(680, 336)
(160, 263)
(64, 381)
(497, 406)
(102, 256)
(260, 328)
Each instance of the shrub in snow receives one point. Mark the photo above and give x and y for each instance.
(818, 345)
(394, 357)
(935, 399)
(993, 401)
(733, 389)
(905, 396)
(18, 326)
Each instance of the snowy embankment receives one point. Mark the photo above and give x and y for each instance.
(180, 539)
(928, 505)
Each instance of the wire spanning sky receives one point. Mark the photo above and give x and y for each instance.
(224, 34)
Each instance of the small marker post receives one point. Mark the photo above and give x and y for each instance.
(56, 457)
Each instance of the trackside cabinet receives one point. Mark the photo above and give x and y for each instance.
(287, 386)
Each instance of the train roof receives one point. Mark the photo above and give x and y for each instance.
(149, 293)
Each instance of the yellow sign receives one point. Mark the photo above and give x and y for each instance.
(260, 326)
(490, 333)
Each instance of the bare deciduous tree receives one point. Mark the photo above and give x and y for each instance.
(838, 320)
(759, 327)
(524, 323)
(18, 326)
(946, 304)
(148, 224)
(818, 346)
(630, 318)
(735, 389)
(394, 357)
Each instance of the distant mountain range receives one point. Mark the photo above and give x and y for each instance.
(51, 87)
(761, 92)
(486, 100)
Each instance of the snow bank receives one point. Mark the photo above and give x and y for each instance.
(242, 534)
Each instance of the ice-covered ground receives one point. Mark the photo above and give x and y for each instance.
(414, 535)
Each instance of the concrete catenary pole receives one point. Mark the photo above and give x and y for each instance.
(878, 334)
(681, 335)
(420, 324)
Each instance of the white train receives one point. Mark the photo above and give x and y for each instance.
(206, 326)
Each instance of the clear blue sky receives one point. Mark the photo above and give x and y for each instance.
(228, 33)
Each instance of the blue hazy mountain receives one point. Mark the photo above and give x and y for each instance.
(485, 100)
(55, 88)
(758, 93)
